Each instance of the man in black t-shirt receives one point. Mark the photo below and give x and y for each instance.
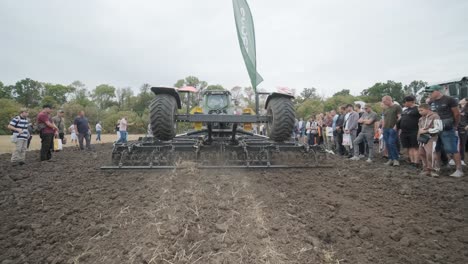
(447, 108)
(408, 125)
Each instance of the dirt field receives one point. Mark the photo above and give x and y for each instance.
(69, 211)
(7, 147)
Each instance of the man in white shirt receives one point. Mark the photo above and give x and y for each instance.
(98, 131)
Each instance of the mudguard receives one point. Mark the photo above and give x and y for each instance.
(274, 95)
(170, 91)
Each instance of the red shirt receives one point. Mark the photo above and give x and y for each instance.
(42, 117)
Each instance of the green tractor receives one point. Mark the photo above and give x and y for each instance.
(221, 138)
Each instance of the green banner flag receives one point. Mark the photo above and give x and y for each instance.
(246, 36)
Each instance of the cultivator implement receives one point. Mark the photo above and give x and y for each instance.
(223, 152)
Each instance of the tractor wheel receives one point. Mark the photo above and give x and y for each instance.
(281, 119)
(163, 109)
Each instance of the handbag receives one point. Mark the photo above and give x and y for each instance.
(346, 140)
(424, 138)
(57, 144)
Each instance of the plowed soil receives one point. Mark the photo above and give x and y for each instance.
(69, 211)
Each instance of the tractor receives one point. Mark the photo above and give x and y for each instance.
(220, 138)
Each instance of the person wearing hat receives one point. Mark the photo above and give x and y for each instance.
(408, 126)
(447, 109)
(19, 126)
(47, 131)
(59, 122)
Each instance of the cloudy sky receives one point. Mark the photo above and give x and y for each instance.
(327, 44)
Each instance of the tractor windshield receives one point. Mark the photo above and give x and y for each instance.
(217, 101)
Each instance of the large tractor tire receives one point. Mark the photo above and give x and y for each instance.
(281, 115)
(163, 109)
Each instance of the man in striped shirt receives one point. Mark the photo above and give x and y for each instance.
(19, 126)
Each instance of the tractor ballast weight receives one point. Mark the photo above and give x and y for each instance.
(224, 141)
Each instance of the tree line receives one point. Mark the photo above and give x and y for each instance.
(107, 103)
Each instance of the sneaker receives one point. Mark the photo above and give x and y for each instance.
(424, 173)
(396, 163)
(21, 163)
(457, 174)
(463, 163)
(369, 161)
(434, 174)
(451, 162)
(354, 158)
(388, 163)
(361, 156)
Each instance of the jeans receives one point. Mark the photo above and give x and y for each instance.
(123, 137)
(86, 137)
(47, 144)
(98, 133)
(390, 138)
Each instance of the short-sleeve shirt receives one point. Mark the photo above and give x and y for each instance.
(98, 127)
(409, 120)
(390, 116)
(123, 125)
(42, 117)
(21, 123)
(81, 124)
(443, 107)
(59, 122)
(369, 116)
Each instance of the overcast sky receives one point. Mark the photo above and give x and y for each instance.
(330, 45)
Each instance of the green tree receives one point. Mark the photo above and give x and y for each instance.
(379, 90)
(58, 92)
(80, 95)
(6, 91)
(309, 93)
(143, 99)
(103, 95)
(124, 98)
(28, 92)
(215, 87)
(414, 86)
(180, 83)
(344, 92)
(310, 107)
(336, 101)
(10, 109)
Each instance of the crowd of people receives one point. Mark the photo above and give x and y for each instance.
(52, 129)
(432, 134)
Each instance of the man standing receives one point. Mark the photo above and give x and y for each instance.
(338, 132)
(47, 130)
(82, 128)
(367, 121)
(362, 145)
(123, 130)
(98, 131)
(391, 114)
(59, 122)
(351, 126)
(447, 109)
(19, 126)
(408, 125)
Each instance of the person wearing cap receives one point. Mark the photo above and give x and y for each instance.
(47, 131)
(447, 109)
(408, 126)
(59, 121)
(391, 114)
(19, 126)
